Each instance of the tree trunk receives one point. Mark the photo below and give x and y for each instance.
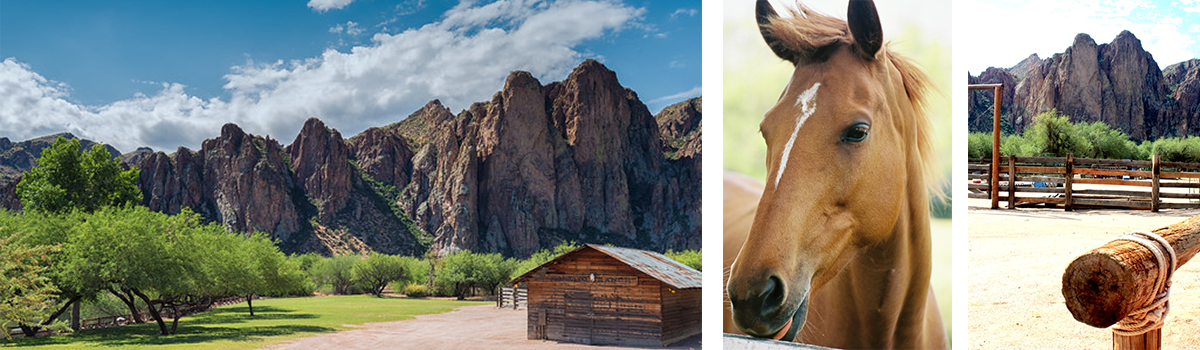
(128, 298)
(162, 326)
(250, 304)
(175, 322)
(31, 331)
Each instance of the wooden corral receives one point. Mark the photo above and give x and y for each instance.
(613, 296)
(1105, 284)
(1144, 179)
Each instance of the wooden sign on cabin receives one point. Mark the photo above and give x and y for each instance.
(613, 296)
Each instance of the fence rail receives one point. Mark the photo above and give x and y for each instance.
(512, 297)
(1053, 181)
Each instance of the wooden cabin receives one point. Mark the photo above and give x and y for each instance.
(613, 296)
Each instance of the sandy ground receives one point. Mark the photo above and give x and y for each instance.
(472, 327)
(1016, 259)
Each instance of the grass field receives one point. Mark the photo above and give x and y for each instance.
(232, 327)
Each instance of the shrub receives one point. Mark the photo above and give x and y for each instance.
(415, 290)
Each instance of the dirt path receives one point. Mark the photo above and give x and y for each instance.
(471, 327)
(1016, 260)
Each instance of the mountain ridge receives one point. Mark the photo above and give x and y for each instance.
(577, 160)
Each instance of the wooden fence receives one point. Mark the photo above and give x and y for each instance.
(512, 297)
(1144, 184)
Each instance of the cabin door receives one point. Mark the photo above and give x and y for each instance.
(579, 314)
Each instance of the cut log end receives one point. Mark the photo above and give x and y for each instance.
(1098, 290)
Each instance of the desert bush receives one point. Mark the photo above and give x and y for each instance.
(415, 290)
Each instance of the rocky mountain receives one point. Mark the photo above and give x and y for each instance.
(578, 160)
(1118, 83)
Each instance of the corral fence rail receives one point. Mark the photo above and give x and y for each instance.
(1053, 180)
(512, 297)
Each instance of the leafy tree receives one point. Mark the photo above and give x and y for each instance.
(66, 179)
(416, 270)
(979, 145)
(335, 271)
(1053, 133)
(691, 258)
(28, 296)
(1105, 142)
(541, 257)
(272, 272)
(376, 271)
(43, 229)
(463, 271)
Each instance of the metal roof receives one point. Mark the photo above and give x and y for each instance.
(656, 265)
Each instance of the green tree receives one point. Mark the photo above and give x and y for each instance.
(28, 296)
(335, 271)
(376, 271)
(272, 272)
(1053, 133)
(43, 229)
(66, 179)
(541, 257)
(464, 271)
(691, 258)
(1105, 142)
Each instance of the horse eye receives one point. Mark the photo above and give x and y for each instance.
(856, 133)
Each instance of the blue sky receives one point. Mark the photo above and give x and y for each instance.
(166, 74)
(1168, 29)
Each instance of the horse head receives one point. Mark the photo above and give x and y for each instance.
(845, 143)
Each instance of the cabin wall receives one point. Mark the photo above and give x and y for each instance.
(622, 307)
(681, 313)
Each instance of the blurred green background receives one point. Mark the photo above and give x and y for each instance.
(754, 78)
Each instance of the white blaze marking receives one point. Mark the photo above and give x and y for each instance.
(807, 106)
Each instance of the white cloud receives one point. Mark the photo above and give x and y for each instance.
(326, 5)
(464, 58)
(684, 12)
(1050, 26)
(351, 28)
(676, 97)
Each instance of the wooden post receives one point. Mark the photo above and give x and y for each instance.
(1154, 169)
(996, 149)
(1105, 284)
(1070, 175)
(1012, 182)
(1151, 340)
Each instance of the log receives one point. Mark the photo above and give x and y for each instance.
(1105, 284)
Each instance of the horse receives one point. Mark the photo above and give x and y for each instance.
(836, 251)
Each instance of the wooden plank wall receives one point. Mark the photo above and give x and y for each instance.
(596, 313)
(681, 314)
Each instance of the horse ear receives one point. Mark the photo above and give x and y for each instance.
(864, 25)
(764, 13)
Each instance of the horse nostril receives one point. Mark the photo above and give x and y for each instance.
(772, 296)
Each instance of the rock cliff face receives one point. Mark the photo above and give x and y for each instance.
(579, 160)
(1118, 83)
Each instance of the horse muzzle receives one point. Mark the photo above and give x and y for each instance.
(767, 311)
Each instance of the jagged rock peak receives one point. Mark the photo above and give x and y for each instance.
(232, 132)
(1083, 39)
(521, 79)
(592, 68)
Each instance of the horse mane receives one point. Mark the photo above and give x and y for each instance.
(815, 36)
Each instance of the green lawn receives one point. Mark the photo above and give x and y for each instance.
(232, 327)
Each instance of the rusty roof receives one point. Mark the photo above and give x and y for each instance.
(656, 265)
